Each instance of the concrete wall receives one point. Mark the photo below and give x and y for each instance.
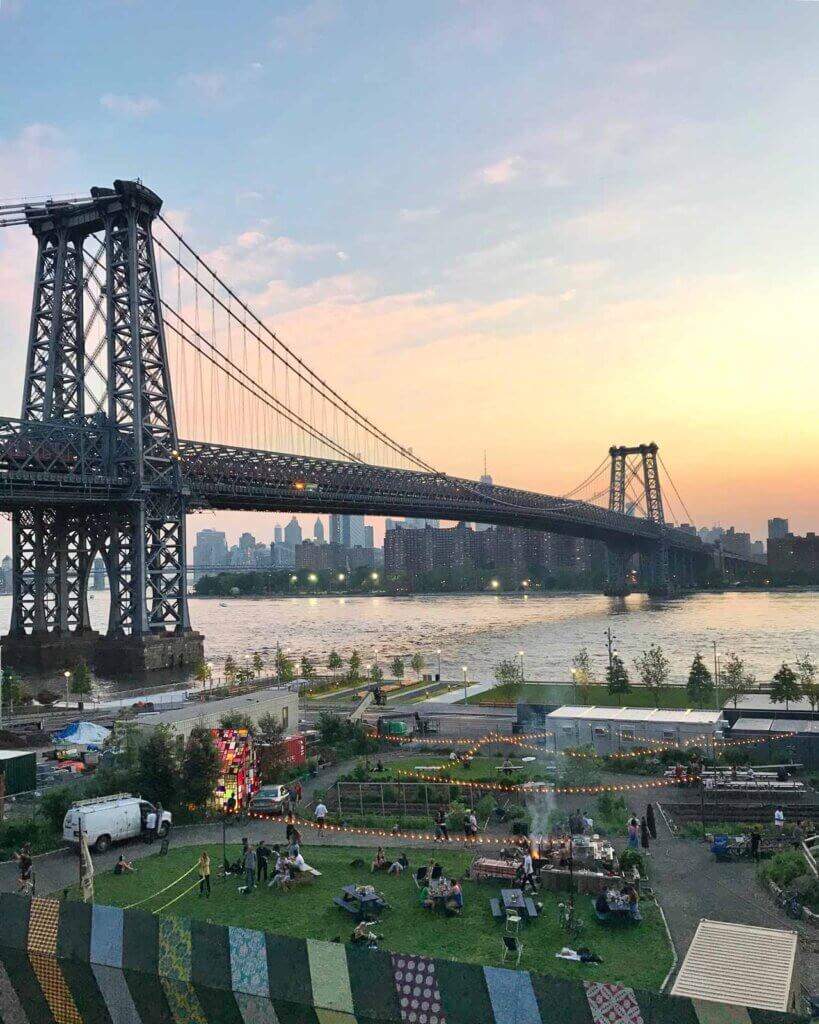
(282, 704)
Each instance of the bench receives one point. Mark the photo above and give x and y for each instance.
(497, 910)
(531, 909)
(347, 905)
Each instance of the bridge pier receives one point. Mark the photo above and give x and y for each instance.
(617, 576)
(654, 570)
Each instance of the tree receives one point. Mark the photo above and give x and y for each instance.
(272, 752)
(334, 662)
(230, 669)
(654, 667)
(700, 685)
(583, 674)
(355, 666)
(308, 669)
(417, 664)
(258, 663)
(12, 690)
(200, 767)
(202, 672)
(80, 681)
(806, 671)
(244, 673)
(237, 720)
(376, 673)
(785, 686)
(285, 669)
(734, 680)
(158, 767)
(509, 675)
(617, 676)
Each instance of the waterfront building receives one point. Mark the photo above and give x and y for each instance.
(209, 552)
(369, 537)
(318, 531)
(282, 556)
(793, 559)
(292, 533)
(778, 528)
(278, 534)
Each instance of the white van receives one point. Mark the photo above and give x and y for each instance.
(111, 819)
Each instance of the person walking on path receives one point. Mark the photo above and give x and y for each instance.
(644, 836)
(651, 821)
(299, 791)
(321, 813)
(204, 874)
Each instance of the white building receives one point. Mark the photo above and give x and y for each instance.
(611, 730)
(280, 702)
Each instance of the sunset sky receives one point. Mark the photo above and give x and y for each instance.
(537, 229)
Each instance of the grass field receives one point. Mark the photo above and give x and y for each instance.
(557, 693)
(638, 956)
(480, 768)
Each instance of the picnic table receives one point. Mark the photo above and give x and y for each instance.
(514, 899)
(362, 902)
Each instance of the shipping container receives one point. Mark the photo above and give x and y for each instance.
(19, 769)
(397, 728)
(296, 748)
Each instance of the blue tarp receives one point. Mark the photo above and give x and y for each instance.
(82, 734)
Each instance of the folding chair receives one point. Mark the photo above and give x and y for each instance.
(512, 921)
(512, 948)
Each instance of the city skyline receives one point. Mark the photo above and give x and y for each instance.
(631, 298)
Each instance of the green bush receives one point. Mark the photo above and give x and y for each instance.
(784, 867)
(55, 803)
(486, 805)
(522, 826)
(630, 859)
(455, 817)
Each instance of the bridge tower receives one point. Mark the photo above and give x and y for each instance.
(142, 538)
(637, 464)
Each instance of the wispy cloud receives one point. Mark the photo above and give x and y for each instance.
(501, 172)
(418, 214)
(206, 85)
(302, 28)
(129, 106)
(249, 195)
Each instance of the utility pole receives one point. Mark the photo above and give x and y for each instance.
(609, 644)
(716, 676)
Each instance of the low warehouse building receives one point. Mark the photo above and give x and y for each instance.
(613, 730)
(280, 702)
(18, 770)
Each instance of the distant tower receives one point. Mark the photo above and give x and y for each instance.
(292, 533)
(318, 531)
(486, 480)
(278, 536)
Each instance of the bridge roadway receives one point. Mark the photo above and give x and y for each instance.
(55, 464)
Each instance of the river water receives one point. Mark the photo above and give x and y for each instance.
(479, 630)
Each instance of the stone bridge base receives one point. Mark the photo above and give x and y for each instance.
(111, 656)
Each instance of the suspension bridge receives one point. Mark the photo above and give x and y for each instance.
(97, 464)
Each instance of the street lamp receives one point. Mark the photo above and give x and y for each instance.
(439, 664)
(612, 653)
(463, 669)
(67, 675)
(574, 684)
(210, 674)
(494, 584)
(374, 577)
(341, 577)
(312, 578)
(522, 676)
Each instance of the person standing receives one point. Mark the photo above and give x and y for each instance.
(321, 813)
(633, 841)
(779, 820)
(204, 874)
(473, 827)
(262, 857)
(756, 839)
(250, 871)
(651, 821)
(644, 836)
(159, 813)
(299, 792)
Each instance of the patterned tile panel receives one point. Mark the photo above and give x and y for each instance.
(117, 996)
(174, 948)
(43, 923)
(183, 1002)
(54, 988)
(417, 986)
(329, 976)
(256, 1009)
(248, 962)
(612, 1004)
(106, 936)
(512, 996)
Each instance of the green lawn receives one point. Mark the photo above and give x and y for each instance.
(559, 693)
(638, 956)
(481, 767)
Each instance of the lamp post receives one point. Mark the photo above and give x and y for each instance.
(67, 675)
(210, 675)
(574, 684)
(609, 642)
(522, 676)
(716, 675)
(463, 669)
(439, 664)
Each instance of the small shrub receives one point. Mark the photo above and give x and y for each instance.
(522, 826)
(486, 805)
(784, 867)
(630, 859)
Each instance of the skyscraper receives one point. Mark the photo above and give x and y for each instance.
(278, 536)
(318, 531)
(486, 481)
(210, 550)
(369, 537)
(347, 531)
(292, 533)
(777, 528)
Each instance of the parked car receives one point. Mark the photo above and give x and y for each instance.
(111, 819)
(274, 799)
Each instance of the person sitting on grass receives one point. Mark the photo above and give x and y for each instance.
(122, 866)
(398, 866)
(281, 871)
(633, 901)
(380, 861)
(601, 907)
(455, 903)
(425, 899)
